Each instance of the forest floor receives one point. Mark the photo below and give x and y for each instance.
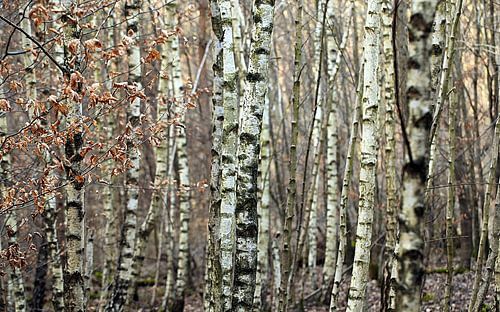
(432, 297)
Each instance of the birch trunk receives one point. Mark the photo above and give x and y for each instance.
(344, 197)
(369, 148)
(213, 291)
(30, 76)
(109, 194)
(410, 251)
(315, 139)
(245, 267)
(263, 212)
(334, 59)
(123, 277)
(388, 291)
(74, 211)
(184, 183)
(230, 100)
(167, 300)
(286, 259)
(50, 229)
(450, 205)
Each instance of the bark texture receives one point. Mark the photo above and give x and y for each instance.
(418, 94)
(245, 266)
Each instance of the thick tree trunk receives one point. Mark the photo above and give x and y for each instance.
(256, 87)
(410, 252)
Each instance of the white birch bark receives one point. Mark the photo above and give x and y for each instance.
(212, 296)
(344, 197)
(230, 100)
(389, 291)
(369, 153)
(318, 118)
(50, 226)
(167, 300)
(248, 156)
(29, 76)
(418, 92)
(184, 182)
(440, 70)
(263, 211)
(109, 195)
(123, 277)
(74, 211)
(334, 58)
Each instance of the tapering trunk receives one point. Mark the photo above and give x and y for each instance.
(315, 139)
(344, 197)
(123, 278)
(332, 238)
(263, 213)
(450, 203)
(286, 258)
(369, 155)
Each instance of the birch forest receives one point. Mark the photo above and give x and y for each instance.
(249, 155)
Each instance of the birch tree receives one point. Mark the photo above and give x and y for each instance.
(123, 278)
(74, 210)
(286, 258)
(184, 181)
(263, 211)
(334, 58)
(388, 293)
(213, 278)
(369, 148)
(248, 156)
(410, 250)
(230, 100)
